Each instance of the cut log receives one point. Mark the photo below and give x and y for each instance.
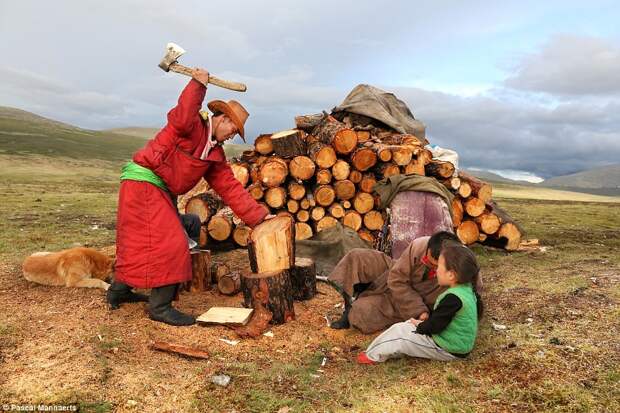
(464, 190)
(488, 222)
(274, 290)
(402, 156)
(440, 169)
(204, 205)
(346, 204)
(480, 189)
(366, 236)
(217, 271)
(416, 167)
(309, 122)
(323, 155)
(341, 170)
(336, 210)
(453, 183)
(383, 152)
(345, 190)
(363, 202)
(292, 206)
(263, 144)
(272, 246)
(180, 349)
(331, 131)
(468, 232)
(296, 191)
(363, 159)
(324, 195)
(275, 197)
(367, 183)
(363, 136)
(373, 220)
(355, 176)
(326, 222)
(241, 173)
(201, 271)
(317, 213)
(302, 168)
(390, 169)
(288, 143)
(220, 225)
(304, 279)
(474, 206)
(303, 215)
(509, 234)
(304, 203)
(457, 212)
(273, 172)
(229, 284)
(241, 234)
(256, 191)
(323, 177)
(303, 230)
(353, 220)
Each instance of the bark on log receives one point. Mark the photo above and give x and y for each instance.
(309, 122)
(229, 284)
(272, 245)
(180, 349)
(332, 132)
(204, 205)
(304, 279)
(274, 290)
(457, 212)
(201, 271)
(323, 155)
(288, 143)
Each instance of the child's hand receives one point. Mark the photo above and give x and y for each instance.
(423, 316)
(415, 321)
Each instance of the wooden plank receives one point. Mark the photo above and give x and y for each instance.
(226, 315)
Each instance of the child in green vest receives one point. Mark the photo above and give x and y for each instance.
(450, 331)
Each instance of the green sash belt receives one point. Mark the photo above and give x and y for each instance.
(134, 172)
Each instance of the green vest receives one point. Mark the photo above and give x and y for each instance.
(134, 172)
(460, 334)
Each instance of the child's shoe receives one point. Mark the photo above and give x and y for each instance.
(362, 358)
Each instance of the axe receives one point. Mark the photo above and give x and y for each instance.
(169, 62)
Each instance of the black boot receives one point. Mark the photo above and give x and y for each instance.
(119, 293)
(343, 322)
(160, 307)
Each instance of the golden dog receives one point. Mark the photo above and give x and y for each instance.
(75, 267)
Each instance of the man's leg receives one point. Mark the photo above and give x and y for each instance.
(119, 293)
(402, 339)
(355, 272)
(160, 307)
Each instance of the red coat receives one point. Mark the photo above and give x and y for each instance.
(151, 247)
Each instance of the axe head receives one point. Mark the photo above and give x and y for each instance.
(173, 52)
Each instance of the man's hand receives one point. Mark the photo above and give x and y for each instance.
(201, 75)
(415, 321)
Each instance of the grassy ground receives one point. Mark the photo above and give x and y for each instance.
(559, 351)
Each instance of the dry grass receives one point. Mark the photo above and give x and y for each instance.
(57, 345)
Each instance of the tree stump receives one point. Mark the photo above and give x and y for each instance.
(272, 289)
(201, 271)
(304, 279)
(229, 284)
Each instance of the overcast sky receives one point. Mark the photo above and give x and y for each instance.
(525, 88)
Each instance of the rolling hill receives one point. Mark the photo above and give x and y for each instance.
(604, 180)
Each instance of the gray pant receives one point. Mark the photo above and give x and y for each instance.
(402, 339)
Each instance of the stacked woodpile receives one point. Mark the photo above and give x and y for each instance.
(323, 172)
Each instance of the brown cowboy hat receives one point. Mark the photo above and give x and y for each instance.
(233, 110)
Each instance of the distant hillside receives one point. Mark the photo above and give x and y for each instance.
(489, 176)
(144, 133)
(607, 177)
(24, 133)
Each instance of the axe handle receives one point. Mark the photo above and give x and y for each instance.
(184, 70)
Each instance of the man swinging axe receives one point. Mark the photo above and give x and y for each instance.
(151, 244)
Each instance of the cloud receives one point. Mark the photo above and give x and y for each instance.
(570, 65)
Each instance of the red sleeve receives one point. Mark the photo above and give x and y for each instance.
(220, 177)
(186, 114)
